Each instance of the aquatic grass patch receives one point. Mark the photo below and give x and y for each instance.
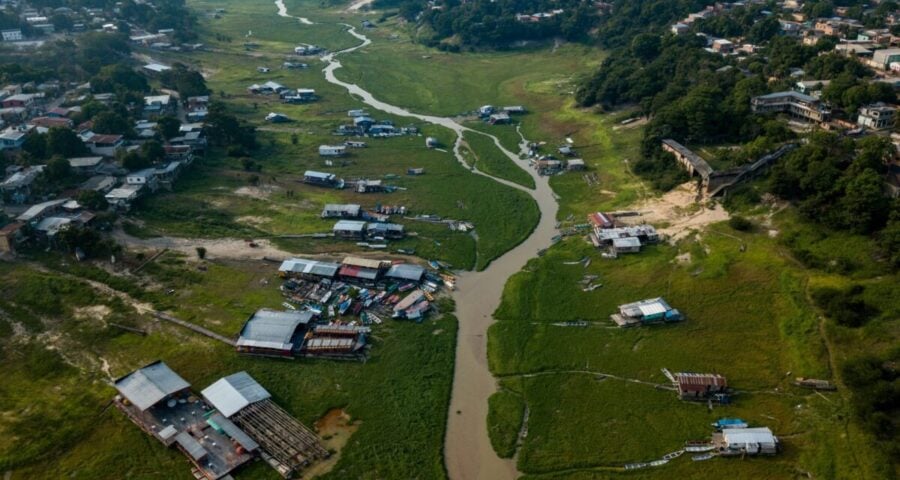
(506, 411)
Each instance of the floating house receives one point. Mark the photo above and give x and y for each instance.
(654, 310)
(746, 441)
(322, 179)
(334, 210)
(159, 401)
(332, 150)
(273, 333)
(285, 444)
(349, 229)
(699, 386)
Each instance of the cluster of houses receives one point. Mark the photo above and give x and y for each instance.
(876, 48)
(550, 165)
(365, 126)
(296, 333)
(359, 287)
(232, 422)
(287, 95)
(499, 115)
(608, 232)
(100, 171)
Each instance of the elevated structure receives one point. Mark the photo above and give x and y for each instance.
(285, 443)
(796, 104)
(273, 333)
(159, 401)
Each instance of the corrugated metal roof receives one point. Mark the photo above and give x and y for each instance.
(742, 436)
(234, 432)
(272, 329)
(359, 272)
(349, 225)
(362, 262)
(406, 271)
(147, 386)
(312, 267)
(700, 379)
(234, 392)
(191, 446)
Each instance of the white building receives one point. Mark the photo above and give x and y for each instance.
(332, 150)
(11, 35)
(877, 116)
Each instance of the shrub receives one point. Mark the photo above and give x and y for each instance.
(740, 223)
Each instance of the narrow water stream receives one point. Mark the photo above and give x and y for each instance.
(468, 452)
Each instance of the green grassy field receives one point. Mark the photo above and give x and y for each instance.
(492, 161)
(56, 394)
(748, 318)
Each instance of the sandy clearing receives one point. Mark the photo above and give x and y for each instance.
(335, 429)
(359, 5)
(678, 211)
(262, 192)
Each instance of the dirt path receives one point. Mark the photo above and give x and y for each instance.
(359, 5)
(219, 248)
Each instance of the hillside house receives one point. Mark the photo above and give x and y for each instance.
(98, 183)
(143, 178)
(10, 236)
(17, 187)
(793, 103)
(85, 165)
(105, 145)
(878, 116)
(123, 197)
(40, 211)
(12, 35)
(158, 105)
(155, 69)
(12, 139)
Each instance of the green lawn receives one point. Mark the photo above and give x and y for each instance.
(747, 317)
(489, 159)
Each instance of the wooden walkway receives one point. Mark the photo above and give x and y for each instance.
(194, 327)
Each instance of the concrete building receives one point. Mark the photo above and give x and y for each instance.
(793, 103)
(878, 116)
(882, 59)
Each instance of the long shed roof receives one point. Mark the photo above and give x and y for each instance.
(232, 393)
(272, 329)
(149, 385)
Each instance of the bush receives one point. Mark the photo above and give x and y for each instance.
(740, 223)
(846, 307)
